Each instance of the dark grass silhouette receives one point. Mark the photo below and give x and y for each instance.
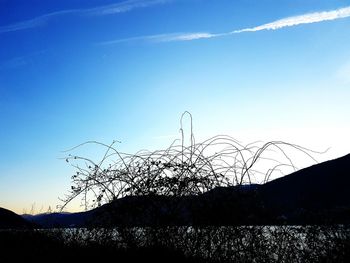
(24, 246)
(176, 244)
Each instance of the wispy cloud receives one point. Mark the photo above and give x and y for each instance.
(189, 36)
(121, 7)
(278, 24)
(162, 38)
(301, 19)
(35, 22)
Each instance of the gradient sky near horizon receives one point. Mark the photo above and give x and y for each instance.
(74, 70)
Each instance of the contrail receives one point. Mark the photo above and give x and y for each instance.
(35, 22)
(301, 19)
(121, 7)
(278, 24)
(161, 38)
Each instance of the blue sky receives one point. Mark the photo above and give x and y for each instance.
(72, 71)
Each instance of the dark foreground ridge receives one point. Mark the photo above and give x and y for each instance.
(314, 195)
(10, 220)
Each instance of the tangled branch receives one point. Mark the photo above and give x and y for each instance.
(177, 170)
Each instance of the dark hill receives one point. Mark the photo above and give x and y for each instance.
(10, 220)
(323, 185)
(225, 206)
(58, 220)
(319, 193)
(315, 195)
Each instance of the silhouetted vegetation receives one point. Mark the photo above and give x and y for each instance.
(79, 245)
(213, 201)
(179, 170)
(182, 244)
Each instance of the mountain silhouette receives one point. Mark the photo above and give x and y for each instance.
(319, 193)
(314, 195)
(57, 220)
(10, 220)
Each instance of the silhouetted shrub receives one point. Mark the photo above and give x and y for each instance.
(183, 170)
(177, 170)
